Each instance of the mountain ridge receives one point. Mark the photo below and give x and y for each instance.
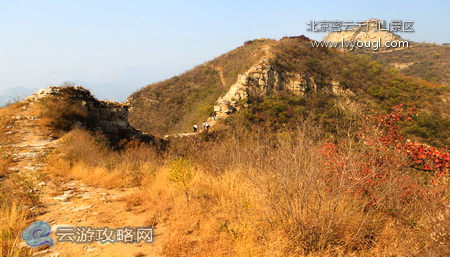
(270, 68)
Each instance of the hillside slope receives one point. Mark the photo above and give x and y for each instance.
(176, 104)
(29, 140)
(287, 79)
(427, 61)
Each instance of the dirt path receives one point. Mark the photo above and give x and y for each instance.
(222, 77)
(69, 202)
(81, 205)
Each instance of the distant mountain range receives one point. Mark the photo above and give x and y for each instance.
(15, 93)
(109, 91)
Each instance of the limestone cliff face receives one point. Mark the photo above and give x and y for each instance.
(262, 79)
(108, 117)
(268, 78)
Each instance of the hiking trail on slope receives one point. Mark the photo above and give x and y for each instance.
(69, 202)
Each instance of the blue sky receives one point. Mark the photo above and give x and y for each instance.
(129, 44)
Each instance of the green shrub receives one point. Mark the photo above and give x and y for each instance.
(181, 174)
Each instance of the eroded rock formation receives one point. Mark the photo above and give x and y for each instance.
(108, 117)
(262, 79)
(268, 78)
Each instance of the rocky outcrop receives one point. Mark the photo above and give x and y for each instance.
(300, 84)
(345, 100)
(268, 78)
(262, 79)
(337, 90)
(108, 117)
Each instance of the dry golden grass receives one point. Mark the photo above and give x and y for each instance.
(6, 120)
(255, 193)
(13, 222)
(5, 162)
(61, 113)
(89, 158)
(13, 218)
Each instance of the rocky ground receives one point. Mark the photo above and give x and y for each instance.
(62, 202)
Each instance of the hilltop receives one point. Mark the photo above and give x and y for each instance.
(281, 81)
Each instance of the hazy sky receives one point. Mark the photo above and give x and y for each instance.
(134, 43)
